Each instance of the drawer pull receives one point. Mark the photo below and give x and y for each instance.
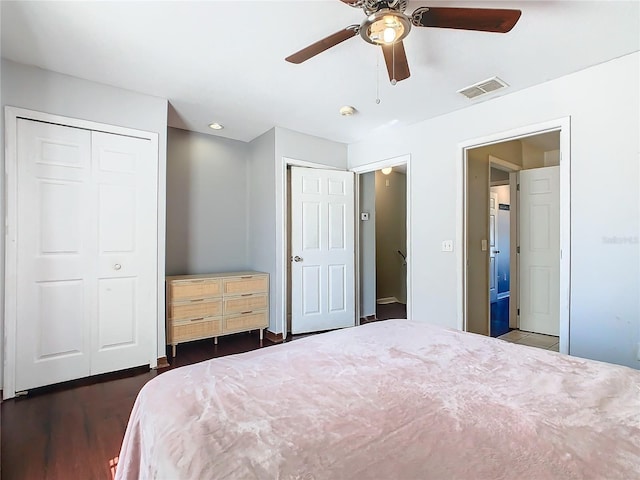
(197, 300)
(244, 313)
(244, 278)
(196, 281)
(246, 295)
(196, 319)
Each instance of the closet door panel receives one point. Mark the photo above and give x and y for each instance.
(54, 257)
(86, 253)
(125, 175)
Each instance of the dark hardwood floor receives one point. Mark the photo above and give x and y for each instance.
(74, 430)
(386, 311)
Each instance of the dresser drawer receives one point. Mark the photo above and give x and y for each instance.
(197, 288)
(245, 303)
(245, 321)
(195, 329)
(207, 307)
(246, 284)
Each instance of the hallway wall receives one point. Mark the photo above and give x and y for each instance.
(391, 235)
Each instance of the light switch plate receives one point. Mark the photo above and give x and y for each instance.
(447, 246)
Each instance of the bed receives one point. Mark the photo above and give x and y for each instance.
(388, 400)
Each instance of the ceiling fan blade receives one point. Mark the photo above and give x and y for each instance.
(396, 59)
(324, 44)
(482, 19)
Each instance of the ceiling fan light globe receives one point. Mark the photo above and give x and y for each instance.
(389, 35)
(385, 27)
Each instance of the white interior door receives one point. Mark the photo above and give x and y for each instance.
(493, 247)
(539, 205)
(322, 246)
(125, 179)
(86, 253)
(55, 261)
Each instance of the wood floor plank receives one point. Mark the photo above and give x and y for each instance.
(73, 431)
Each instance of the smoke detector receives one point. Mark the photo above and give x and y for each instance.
(347, 111)
(481, 88)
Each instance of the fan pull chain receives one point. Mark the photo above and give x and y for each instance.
(377, 78)
(393, 66)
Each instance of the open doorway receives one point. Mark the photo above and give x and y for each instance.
(516, 228)
(383, 240)
(391, 242)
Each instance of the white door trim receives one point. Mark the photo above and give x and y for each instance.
(372, 167)
(12, 114)
(564, 126)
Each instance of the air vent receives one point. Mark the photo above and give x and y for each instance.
(486, 86)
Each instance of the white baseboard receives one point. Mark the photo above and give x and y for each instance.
(385, 300)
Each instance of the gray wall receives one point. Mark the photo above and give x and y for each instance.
(41, 90)
(391, 235)
(262, 213)
(368, 245)
(207, 203)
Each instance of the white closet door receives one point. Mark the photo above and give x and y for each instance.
(55, 286)
(86, 253)
(125, 179)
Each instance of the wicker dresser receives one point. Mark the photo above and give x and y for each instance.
(216, 304)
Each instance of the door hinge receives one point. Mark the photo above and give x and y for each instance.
(518, 187)
(518, 312)
(518, 249)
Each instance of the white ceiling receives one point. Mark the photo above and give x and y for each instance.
(223, 61)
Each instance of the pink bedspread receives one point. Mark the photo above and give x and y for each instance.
(388, 400)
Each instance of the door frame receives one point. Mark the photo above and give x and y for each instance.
(12, 114)
(372, 167)
(563, 125)
(514, 286)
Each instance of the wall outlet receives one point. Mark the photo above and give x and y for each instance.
(447, 246)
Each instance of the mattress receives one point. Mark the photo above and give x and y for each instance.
(388, 400)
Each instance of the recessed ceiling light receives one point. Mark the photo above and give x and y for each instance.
(216, 126)
(347, 111)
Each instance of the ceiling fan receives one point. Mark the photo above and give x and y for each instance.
(387, 25)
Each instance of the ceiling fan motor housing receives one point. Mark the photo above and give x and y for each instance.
(372, 6)
(385, 27)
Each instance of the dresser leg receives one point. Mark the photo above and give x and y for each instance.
(261, 334)
(173, 350)
(215, 340)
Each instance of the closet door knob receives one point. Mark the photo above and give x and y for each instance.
(117, 266)
(297, 259)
